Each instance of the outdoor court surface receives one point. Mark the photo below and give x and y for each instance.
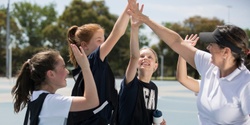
(177, 103)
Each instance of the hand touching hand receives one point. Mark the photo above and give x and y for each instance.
(135, 11)
(135, 22)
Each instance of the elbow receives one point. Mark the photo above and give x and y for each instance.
(180, 79)
(96, 103)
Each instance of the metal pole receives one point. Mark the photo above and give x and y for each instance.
(8, 44)
(162, 68)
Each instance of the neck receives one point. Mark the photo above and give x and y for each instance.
(47, 87)
(227, 69)
(145, 77)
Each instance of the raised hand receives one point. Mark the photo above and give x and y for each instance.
(80, 56)
(135, 22)
(134, 10)
(192, 40)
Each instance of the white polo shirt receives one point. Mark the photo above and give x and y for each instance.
(223, 100)
(55, 108)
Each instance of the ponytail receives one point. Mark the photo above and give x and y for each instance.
(23, 88)
(71, 38)
(31, 77)
(76, 35)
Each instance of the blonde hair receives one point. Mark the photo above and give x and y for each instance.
(155, 54)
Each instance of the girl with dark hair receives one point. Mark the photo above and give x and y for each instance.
(39, 79)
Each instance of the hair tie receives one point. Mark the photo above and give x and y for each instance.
(28, 61)
(247, 52)
(31, 67)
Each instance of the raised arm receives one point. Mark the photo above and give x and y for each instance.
(181, 70)
(134, 49)
(90, 97)
(170, 37)
(118, 30)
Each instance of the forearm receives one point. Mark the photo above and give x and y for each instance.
(181, 69)
(121, 24)
(134, 54)
(90, 92)
(116, 33)
(170, 37)
(181, 75)
(134, 43)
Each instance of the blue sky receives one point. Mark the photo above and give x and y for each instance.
(235, 12)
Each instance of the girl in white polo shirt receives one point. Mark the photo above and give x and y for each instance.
(224, 90)
(45, 72)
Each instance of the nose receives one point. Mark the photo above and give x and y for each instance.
(67, 71)
(144, 58)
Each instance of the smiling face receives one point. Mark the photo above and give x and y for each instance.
(95, 42)
(147, 61)
(217, 54)
(59, 74)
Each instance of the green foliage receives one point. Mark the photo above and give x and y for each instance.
(34, 28)
(80, 12)
(192, 25)
(15, 34)
(33, 19)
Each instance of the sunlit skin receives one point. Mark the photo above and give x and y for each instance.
(56, 78)
(216, 52)
(95, 42)
(222, 58)
(146, 64)
(181, 69)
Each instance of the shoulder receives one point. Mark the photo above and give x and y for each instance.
(202, 55)
(58, 98)
(130, 84)
(130, 87)
(95, 54)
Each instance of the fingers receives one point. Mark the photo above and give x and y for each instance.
(186, 38)
(163, 122)
(192, 39)
(142, 7)
(74, 48)
(132, 4)
(76, 51)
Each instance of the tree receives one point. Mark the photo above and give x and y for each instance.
(14, 35)
(192, 25)
(33, 19)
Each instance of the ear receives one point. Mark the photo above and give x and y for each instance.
(84, 45)
(49, 73)
(156, 66)
(227, 52)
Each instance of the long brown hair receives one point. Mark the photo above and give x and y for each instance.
(31, 75)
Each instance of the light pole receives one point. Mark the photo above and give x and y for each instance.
(162, 67)
(8, 44)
